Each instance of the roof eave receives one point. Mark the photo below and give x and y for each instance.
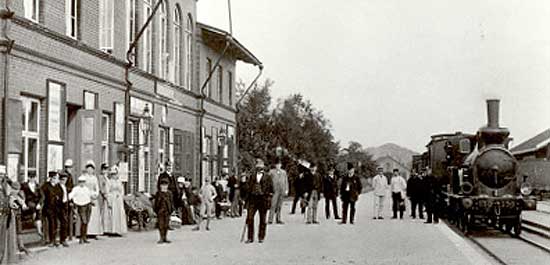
(242, 53)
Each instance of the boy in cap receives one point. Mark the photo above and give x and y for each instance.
(51, 199)
(163, 208)
(207, 196)
(82, 198)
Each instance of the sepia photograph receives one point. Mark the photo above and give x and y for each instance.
(262, 132)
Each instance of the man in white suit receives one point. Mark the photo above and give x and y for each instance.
(380, 185)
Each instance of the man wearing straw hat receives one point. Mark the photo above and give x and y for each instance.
(260, 190)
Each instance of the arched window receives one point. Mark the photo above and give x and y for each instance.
(177, 45)
(188, 45)
(147, 38)
(163, 43)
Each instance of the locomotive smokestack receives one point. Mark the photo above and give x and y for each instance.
(492, 113)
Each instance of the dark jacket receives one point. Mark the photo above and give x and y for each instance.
(330, 186)
(172, 187)
(52, 198)
(233, 184)
(163, 203)
(355, 188)
(265, 190)
(70, 181)
(32, 199)
(414, 187)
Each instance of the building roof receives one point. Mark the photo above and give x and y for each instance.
(395, 160)
(215, 38)
(539, 141)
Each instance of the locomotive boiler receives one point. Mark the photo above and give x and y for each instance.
(480, 175)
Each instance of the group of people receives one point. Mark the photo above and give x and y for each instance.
(422, 190)
(96, 201)
(309, 185)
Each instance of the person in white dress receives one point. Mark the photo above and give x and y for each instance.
(95, 224)
(115, 219)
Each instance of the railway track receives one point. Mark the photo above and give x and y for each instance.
(507, 250)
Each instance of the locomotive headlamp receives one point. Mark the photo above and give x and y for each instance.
(526, 189)
(467, 203)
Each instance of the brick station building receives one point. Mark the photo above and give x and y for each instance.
(64, 87)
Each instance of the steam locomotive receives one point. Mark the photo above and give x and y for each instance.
(478, 174)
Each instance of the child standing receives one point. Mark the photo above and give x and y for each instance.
(82, 198)
(207, 196)
(163, 209)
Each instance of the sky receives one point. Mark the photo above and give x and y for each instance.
(398, 70)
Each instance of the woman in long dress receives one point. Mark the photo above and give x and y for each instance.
(95, 224)
(117, 217)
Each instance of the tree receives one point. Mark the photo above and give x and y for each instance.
(356, 154)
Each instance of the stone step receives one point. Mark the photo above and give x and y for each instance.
(543, 206)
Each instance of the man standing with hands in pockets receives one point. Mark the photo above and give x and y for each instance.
(280, 190)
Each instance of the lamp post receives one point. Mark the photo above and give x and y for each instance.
(145, 123)
(6, 44)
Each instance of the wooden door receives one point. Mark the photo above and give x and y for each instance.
(88, 139)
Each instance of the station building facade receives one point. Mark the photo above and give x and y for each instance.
(63, 75)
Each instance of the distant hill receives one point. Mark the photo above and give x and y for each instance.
(399, 153)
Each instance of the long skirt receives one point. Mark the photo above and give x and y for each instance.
(116, 223)
(95, 225)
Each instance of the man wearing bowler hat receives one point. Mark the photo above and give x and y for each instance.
(260, 190)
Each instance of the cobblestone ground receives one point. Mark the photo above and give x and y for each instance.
(367, 242)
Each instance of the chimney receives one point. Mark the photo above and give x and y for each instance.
(492, 113)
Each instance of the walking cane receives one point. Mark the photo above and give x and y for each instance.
(244, 230)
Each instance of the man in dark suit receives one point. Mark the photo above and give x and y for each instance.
(414, 191)
(172, 184)
(260, 190)
(330, 191)
(52, 196)
(349, 193)
(299, 189)
(431, 196)
(63, 213)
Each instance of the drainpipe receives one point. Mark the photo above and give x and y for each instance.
(237, 106)
(127, 110)
(6, 44)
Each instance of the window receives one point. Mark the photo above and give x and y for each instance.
(163, 43)
(55, 111)
(32, 9)
(147, 39)
(71, 14)
(208, 91)
(177, 44)
(131, 23)
(30, 137)
(230, 87)
(188, 45)
(106, 20)
(105, 127)
(90, 100)
(220, 83)
(163, 145)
